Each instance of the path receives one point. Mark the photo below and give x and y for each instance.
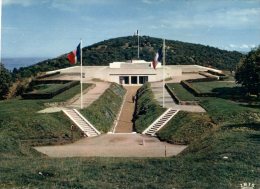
(125, 124)
(169, 102)
(92, 95)
(114, 145)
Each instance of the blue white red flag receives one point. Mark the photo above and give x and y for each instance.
(158, 58)
(74, 56)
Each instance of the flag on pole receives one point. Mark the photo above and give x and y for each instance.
(74, 56)
(158, 58)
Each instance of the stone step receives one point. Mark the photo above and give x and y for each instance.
(82, 123)
(160, 122)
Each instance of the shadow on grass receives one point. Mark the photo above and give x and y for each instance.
(237, 94)
(252, 126)
(229, 91)
(255, 137)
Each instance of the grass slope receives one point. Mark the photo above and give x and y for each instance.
(227, 112)
(103, 111)
(213, 86)
(21, 125)
(186, 128)
(181, 92)
(147, 109)
(201, 166)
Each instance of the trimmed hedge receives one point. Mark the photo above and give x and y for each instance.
(103, 112)
(147, 109)
(51, 94)
(37, 82)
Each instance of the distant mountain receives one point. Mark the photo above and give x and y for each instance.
(125, 48)
(11, 63)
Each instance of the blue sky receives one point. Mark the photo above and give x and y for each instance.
(49, 28)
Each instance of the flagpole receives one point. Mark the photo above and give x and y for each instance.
(163, 69)
(81, 95)
(138, 44)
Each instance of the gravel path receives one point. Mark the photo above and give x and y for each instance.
(114, 145)
(125, 124)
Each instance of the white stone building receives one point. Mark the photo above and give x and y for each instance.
(135, 72)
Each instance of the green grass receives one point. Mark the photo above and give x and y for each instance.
(147, 108)
(103, 111)
(68, 94)
(207, 87)
(20, 122)
(181, 92)
(201, 165)
(186, 128)
(227, 112)
(47, 88)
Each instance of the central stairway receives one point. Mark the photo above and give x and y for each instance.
(81, 122)
(160, 122)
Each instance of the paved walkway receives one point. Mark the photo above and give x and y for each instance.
(157, 88)
(125, 124)
(114, 145)
(92, 95)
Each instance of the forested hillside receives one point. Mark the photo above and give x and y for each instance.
(125, 48)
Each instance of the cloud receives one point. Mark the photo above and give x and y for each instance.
(241, 46)
(236, 18)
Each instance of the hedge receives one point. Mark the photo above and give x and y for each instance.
(42, 95)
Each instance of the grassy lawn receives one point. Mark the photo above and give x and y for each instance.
(206, 87)
(47, 88)
(181, 92)
(68, 94)
(19, 121)
(227, 112)
(103, 111)
(186, 127)
(235, 134)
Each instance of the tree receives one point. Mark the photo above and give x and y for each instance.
(248, 72)
(5, 81)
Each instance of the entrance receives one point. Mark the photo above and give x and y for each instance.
(124, 80)
(143, 79)
(133, 80)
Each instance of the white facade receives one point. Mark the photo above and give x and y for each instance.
(135, 72)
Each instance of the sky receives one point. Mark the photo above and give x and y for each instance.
(49, 28)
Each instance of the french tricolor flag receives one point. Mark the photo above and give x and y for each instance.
(158, 58)
(74, 56)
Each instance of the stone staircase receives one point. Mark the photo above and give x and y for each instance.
(160, 122)
(81, 122)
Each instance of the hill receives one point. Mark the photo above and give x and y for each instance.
(125, 48)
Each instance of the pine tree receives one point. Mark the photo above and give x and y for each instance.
(248, 72)
(5, 81)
